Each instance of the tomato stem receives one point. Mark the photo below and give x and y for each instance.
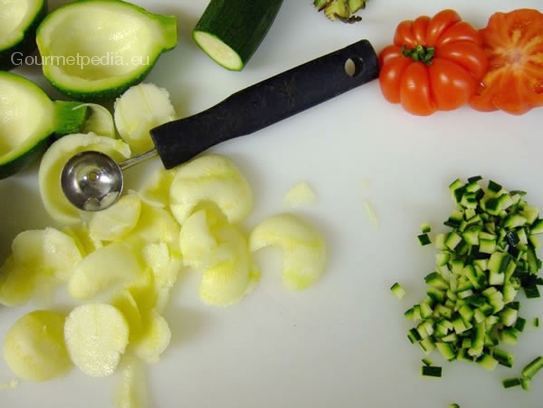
(419, 53)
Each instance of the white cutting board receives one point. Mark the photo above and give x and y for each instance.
(341, 343)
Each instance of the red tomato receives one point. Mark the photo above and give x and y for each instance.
(434, 64)
(514, 44)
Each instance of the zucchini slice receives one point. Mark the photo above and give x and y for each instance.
(19, 20)
(138, 110)
(94, 50)
(229, 32)
(28, 121)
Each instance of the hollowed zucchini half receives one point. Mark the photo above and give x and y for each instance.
(19, 20)
(94, 50)
(29, 121)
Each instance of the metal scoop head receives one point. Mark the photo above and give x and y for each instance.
(92, 181)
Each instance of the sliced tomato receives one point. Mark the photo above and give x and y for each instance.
(513, 42)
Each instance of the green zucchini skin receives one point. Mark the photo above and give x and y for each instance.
(70, 121)
(26, 159)
(102, 96)
(27, 45)
(240, 24)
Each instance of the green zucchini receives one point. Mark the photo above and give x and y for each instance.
(29, 120)
(94, 50)
(398, 290)
(229, 32)
(19, 20)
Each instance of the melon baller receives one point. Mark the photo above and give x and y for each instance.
(93, 181)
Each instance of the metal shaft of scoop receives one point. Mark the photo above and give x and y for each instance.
(94, 183)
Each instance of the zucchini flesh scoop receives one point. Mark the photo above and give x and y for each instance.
(94, 50)
(29, 120)
(19, 20)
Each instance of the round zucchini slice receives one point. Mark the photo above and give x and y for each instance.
(28, 121)
(94, 50)
(19, 20)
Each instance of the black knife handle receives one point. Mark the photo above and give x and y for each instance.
(266, 103)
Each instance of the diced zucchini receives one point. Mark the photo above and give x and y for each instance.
(455, 219)
(450, 338)
(533, 367)
(525, 383)
(471, 234)
(454, 241)
(530, 213)
(424, 239)
(459, 325)
(443, 311)
(426, 361)
(491, 205)
(534, 240)
(410, 313)
(511, 382)
(505, 201)
(413, 335)
(431, 371)
(508, 316)
(532, 292)
(503, 357)
(520, 324)
(425, 227)
(514, 221)
(446, 350)
(466, 312)
(427, 345)
(442, 258)
(509, 336)
(456, 184)
(482, 262)
(436, 294)
(493, 187)
(487, 362)
(464, 294)
(434, 279)
(462, 355)
(425, 310)
(487, 246)
(439, 241)
(398, 290)
(537, 227)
